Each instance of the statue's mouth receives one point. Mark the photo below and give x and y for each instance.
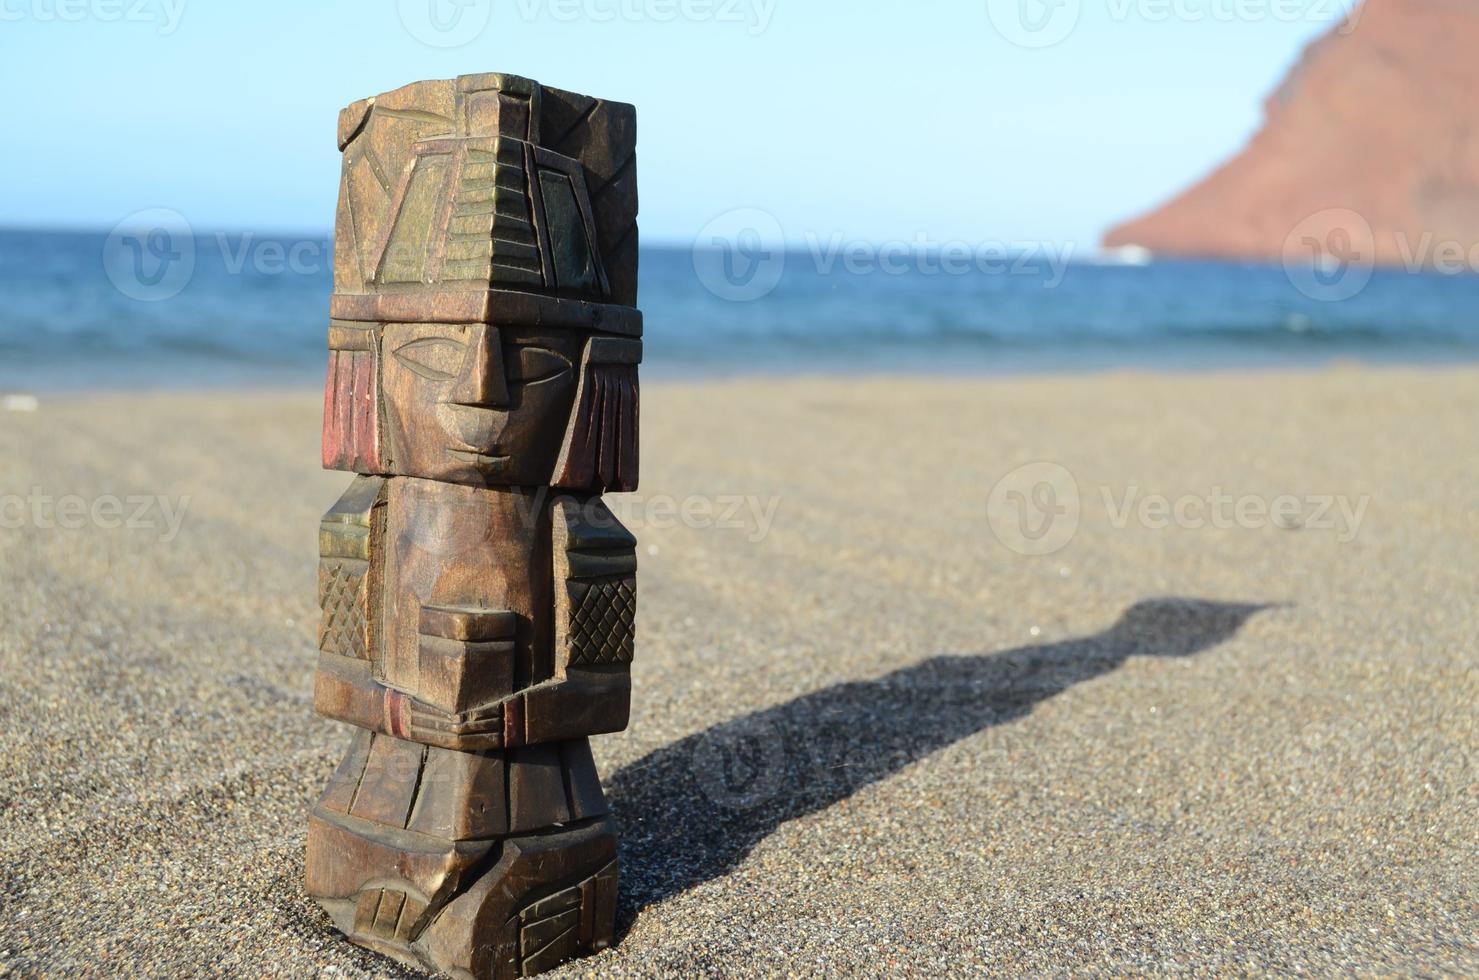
(485, 460)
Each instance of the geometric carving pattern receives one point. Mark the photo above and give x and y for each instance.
(603, 137)
(491, 237)
(603, 619)
(387, 913)
(344, 629)
(558, 928)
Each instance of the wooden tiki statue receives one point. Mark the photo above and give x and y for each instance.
(478, 598)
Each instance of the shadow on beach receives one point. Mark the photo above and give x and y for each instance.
(691, 811)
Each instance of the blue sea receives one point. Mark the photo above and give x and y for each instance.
(84, 310)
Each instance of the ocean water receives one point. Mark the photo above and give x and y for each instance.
(86, 310)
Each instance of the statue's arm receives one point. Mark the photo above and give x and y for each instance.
(595, 609)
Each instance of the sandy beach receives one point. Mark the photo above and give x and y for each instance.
(870, 734)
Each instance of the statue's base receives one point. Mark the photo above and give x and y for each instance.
(522, 905)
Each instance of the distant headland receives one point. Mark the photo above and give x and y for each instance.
(1370, 148)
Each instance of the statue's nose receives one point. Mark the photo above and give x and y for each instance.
(483, 381)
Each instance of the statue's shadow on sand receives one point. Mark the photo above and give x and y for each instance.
(691, 811)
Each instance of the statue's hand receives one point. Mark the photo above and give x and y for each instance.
(466, 661)
(481, 728)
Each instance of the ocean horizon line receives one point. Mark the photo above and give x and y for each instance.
(82, 313)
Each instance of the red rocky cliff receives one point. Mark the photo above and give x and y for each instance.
(1371, 145)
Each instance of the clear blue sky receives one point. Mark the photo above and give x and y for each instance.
(869, 119)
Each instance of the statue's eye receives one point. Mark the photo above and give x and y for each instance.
(434, 358)
(528, 365)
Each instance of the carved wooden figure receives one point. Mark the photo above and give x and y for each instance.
(478, 598)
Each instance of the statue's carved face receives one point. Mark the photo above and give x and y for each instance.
(479, 404)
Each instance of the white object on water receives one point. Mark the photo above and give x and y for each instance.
(20, 403)
(1125, 255)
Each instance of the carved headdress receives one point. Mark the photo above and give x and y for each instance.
(458, 205)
